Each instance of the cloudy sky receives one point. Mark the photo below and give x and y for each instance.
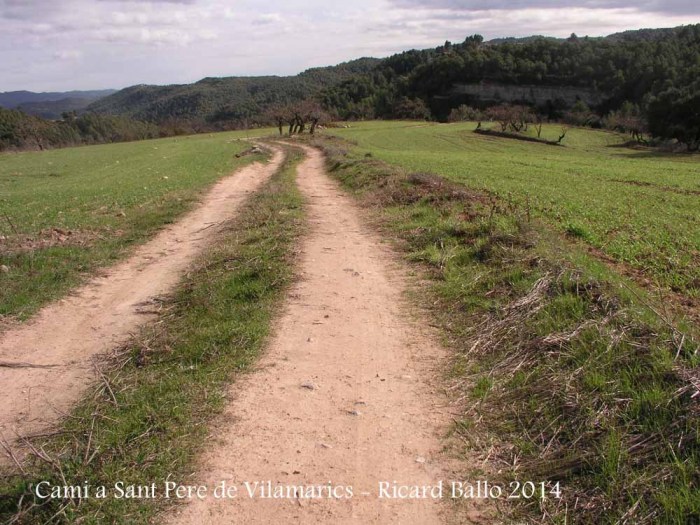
(48, 45)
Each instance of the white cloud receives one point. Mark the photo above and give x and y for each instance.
(114, 43)
(268, 18)
(68, 54)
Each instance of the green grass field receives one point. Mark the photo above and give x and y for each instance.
(66, 212)
(640, 207)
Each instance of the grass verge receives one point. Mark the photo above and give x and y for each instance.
(65, 213)
(570, 374)
(637, 207)
(149, 418)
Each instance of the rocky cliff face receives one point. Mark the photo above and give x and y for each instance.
(531, 94)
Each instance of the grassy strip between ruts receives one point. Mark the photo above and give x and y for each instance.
(567, 373)
(147, 421)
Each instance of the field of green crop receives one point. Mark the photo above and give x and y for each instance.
(64, 212)
(565, 370)
(640, 207)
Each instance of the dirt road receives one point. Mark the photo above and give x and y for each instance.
(46, 364)
(345, 393)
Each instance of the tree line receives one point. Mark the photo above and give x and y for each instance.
(647, 81)
(19, 131)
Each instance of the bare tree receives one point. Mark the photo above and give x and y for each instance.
(538, 126)
(278, 114)
(520, 117)
(314, 114)
(563, 133)
(302, 114)
(500, 114)
(516, 117)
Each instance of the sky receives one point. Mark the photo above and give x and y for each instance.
(59, 45)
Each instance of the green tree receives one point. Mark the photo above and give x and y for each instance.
(675, 114)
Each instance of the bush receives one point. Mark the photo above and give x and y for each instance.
(411, 108)
(465, 113)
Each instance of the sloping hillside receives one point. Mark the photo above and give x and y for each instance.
(549, 73)
(605, 72)
(54, 109)
(228, 98)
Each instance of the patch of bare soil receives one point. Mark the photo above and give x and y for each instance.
(347, 395)
(46, 238)
(679, 304)
(47, 363)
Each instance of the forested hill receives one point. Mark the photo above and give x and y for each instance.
(548, 73)
(228, 98)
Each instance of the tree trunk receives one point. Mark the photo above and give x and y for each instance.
(300, 124)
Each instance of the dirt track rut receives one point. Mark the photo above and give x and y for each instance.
(344, 393)
(100, 315)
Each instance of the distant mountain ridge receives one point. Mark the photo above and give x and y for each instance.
(13, 99)
(51, 105)
(54, 109)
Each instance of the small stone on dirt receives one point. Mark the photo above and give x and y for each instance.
(353, 412)
(420, 459)
(308, 385)
(4, 268)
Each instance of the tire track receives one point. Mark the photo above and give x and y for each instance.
(48, 362)
(345, 393)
